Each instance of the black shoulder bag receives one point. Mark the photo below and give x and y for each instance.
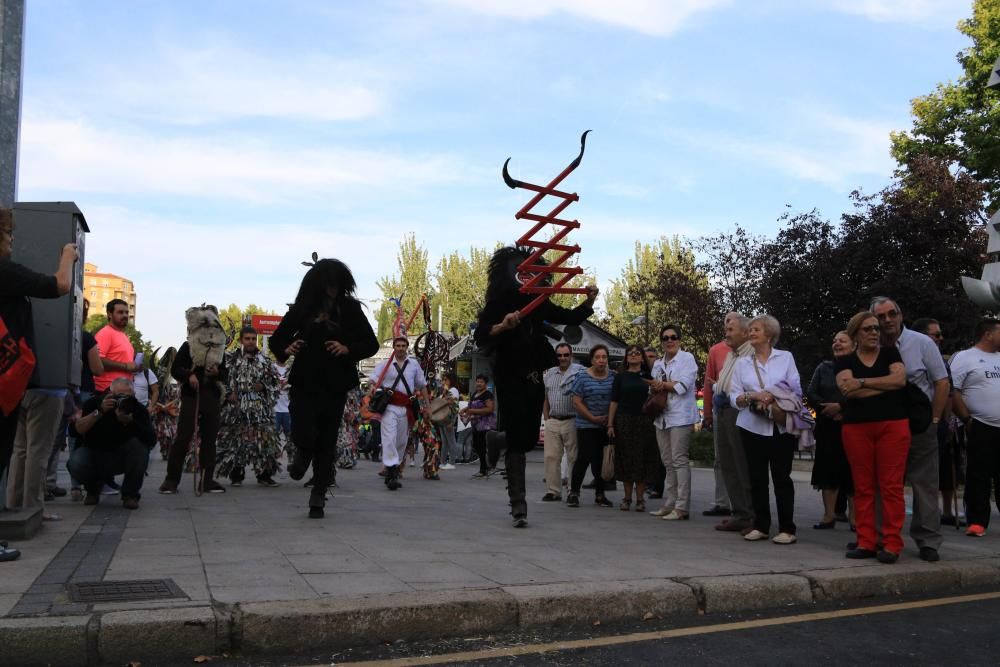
(381, 397)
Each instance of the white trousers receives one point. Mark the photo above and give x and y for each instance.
(395, 432)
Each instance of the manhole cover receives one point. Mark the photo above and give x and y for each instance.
(124, 591)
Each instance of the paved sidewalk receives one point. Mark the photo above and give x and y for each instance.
(447, 540)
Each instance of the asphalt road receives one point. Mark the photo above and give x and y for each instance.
(910, 631)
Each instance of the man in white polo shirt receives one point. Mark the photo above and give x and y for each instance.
(976, 374)
(559, 413)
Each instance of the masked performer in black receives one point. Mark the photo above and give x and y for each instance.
(329, 334)
(522, 354)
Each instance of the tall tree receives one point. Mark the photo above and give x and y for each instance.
(411, 281)
(460, 287)
(733, 261)
(960, 121)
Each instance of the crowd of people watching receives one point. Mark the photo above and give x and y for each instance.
(880, 412)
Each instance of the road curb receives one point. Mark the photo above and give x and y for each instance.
(301, 626)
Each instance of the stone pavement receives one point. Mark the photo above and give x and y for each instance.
(429, 546)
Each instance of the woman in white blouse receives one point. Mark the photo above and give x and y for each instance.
(675, 374)
(761, 425)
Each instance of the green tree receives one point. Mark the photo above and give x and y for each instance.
(461, 287)
(411, 281)
(635, 294)
(960, 121)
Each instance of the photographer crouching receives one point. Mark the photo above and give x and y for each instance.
(115, 437)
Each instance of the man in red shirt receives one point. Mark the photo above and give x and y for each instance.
(716, 360)
(117, 352)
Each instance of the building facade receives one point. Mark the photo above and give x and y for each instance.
(100, 288)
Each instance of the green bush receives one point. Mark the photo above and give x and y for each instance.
(702, 447)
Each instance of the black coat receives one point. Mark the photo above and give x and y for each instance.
(314, 367)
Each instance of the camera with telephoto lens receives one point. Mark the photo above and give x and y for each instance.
(126, 403)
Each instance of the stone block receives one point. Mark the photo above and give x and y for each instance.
(44, 641)
(157, 634)
(853, 583)
(303, 626)
(607, 601)
(20, 524)
(752, 591)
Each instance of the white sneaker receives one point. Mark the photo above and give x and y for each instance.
(675, 516)
(784, 538)
(447, 466)
(663, 511)
(754, 536)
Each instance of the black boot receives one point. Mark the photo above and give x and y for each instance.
(392, 478)
(299, 464)
(515, 462)
(317, 500)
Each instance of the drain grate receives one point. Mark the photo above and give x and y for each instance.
(124, 591)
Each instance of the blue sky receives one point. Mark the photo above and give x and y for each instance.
(214, 145)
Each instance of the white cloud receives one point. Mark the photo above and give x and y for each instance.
(905, 11)
(822, 147)
(76, 156)
(206, 84)
(651, 17)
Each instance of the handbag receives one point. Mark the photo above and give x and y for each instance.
(17, 362)
(608, 462)
(442, 413)
(918, 408)
(381, 396)
(655, 404)
(772, 412)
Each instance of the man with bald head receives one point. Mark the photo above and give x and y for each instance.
(115, 436)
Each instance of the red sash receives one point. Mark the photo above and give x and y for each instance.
(17, 362)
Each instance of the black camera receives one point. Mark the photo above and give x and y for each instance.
(126, 403)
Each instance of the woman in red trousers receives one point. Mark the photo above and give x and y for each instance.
(876, 435)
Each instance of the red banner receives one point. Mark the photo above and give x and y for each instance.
(265, 324)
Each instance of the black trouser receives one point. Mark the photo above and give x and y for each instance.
(204, 408)
(659, 480)
(983, 442)
(93, 467)
(316, 416)
(774, 451)
(479, 447)
(515, 461)
(8, 429)
(590, 444)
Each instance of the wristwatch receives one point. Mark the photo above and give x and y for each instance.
(862, 381)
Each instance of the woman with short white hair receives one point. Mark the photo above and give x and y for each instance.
(761, 424)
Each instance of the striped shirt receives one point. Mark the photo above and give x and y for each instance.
(556, 384)
(596, 395)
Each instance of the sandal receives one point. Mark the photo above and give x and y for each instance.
(625, 505)
(640, 505)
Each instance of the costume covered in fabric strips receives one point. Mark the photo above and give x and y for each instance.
(347, 439)
(248, 435)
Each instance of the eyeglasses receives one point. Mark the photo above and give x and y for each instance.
(871, 328)
(634, 352)
(670, 337)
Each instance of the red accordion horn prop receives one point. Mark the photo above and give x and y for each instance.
(538, 270)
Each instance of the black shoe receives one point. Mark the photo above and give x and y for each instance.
(825, 526)
(315, 512)
(92, 498)
(603, 502)
(520, 521)
(887, 557)
(211, 486)
(715, 510)
(298, 465)
(929, 554)
(6, 553)
(573, 500)
(858, 554)
(854, 545)
(551, 498)
(56, 491)
(267, 480)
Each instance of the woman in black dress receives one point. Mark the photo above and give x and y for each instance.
(631, 432)
(831, 472)
(329, 334)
